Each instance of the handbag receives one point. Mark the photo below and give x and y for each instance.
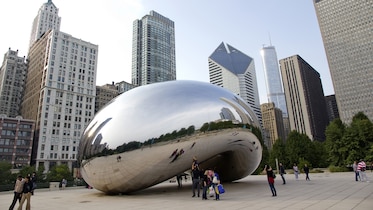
(211, 191)
(221, 189)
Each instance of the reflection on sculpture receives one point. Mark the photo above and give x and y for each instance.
(150, 134)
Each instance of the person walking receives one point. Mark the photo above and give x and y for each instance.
(18, 187)
(357, 175)
(271, 179)
(282, 173)
(26, 194)
(306, 171)
(296, 171)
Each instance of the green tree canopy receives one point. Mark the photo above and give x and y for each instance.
(5, 173)
(345, 144)
(334, 146)
(57, 173)
(278, 151)
(298, 146)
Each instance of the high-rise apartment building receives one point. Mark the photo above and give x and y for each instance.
(273, 123)
(12, 79)
(104, 94)
(153, 50)
(346, 28)
(16, 139)
(272, 75)
(59, 95)
(47, 19)
(231, 69)
(304, 97)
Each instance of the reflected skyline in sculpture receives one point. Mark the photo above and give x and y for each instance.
(156, 129)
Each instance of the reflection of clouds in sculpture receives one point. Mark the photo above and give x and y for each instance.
(145, 125)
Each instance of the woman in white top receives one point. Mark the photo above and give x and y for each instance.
(296, 171)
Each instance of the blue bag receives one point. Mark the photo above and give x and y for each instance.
(221, 189)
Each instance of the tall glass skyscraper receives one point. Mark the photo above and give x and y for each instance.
(231, 69)
(347, 31)
(153, 50)
(275, 91)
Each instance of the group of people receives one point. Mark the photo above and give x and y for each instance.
(23, 189)
(359, 169)
(271, 175)
(206, 179)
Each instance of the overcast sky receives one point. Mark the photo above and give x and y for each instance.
(200, 27)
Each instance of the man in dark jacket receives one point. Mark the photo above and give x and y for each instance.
(306, 171)
(282, 173)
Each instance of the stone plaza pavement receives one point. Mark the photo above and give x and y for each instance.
(325, 191)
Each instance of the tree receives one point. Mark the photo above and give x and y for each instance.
(5, 173)
(358, 138)
(298, 146)
(346, 144)
(333, 144)
(279, 152)
(320, 156)
(57, 173)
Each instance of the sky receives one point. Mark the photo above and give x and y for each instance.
(200, 27)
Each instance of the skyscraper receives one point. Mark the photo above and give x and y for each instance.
(153, 50)
(273, 123)
(346, 28)
(231, 69)
(275, 91)
(47, 19)
(59, 95)
(12, 78)
(331, 107)
(304, 97)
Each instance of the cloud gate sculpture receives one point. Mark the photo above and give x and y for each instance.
(151, 133)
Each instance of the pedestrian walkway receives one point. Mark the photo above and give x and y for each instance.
(325, 191)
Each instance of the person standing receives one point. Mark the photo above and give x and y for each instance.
(26, 194)
(282, 173)
(271, 179)
(195, 177)
(361, 167)
(206, 183)
(18, 187)
(306, 171)
(357, 175)
(63, 183)
(33, 180)
(296, 171)
(215, 183)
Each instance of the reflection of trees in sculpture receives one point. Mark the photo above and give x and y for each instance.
(211, 126)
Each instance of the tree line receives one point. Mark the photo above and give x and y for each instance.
(344, 144)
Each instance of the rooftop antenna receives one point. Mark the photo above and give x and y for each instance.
(270, 41)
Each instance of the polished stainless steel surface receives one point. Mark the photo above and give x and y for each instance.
(151, 133)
